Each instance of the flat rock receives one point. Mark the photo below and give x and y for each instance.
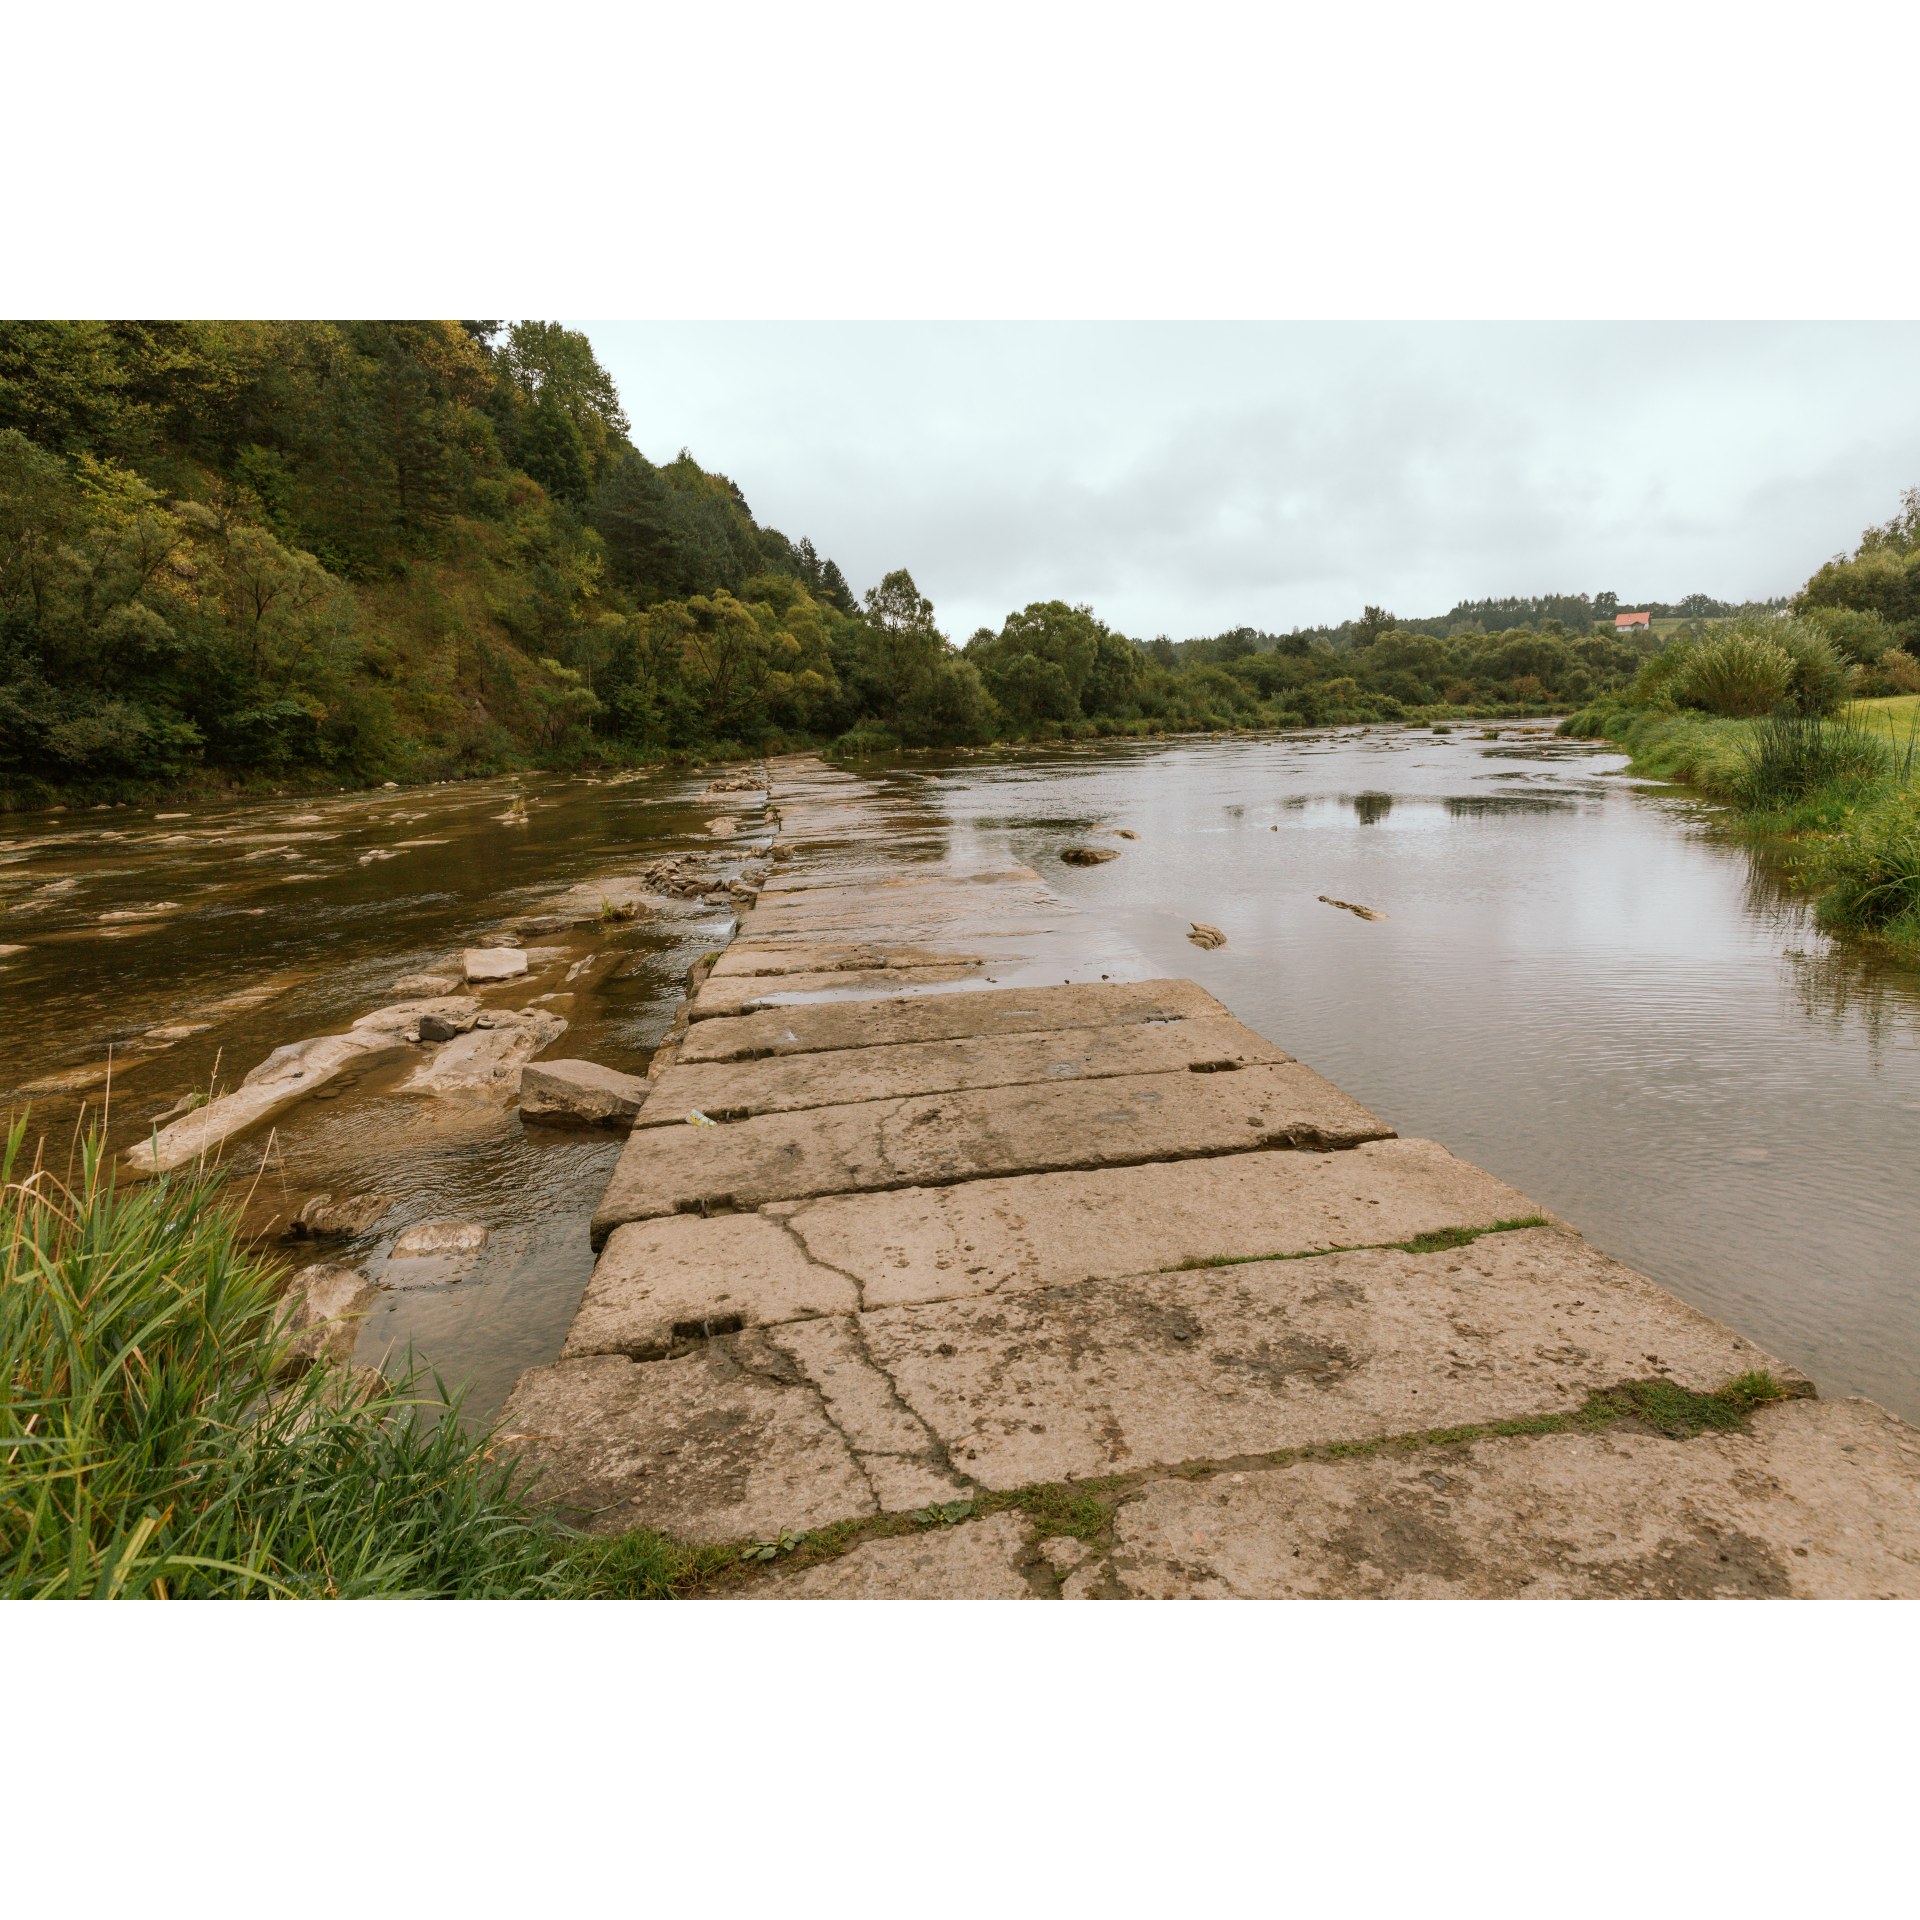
(321, 1310)
(1819, 1499)
(287, 1074)
(740, 1089)
(944, 1138)
(662, 1282)
(723, 1443)
(833, 1026)
(489, 1059)
(1111, 1376)
(985, 1560)
(493, 963)
(1088, 856)
(457, 1009)
(578, 1093)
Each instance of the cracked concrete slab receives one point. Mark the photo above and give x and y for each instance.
(738, 1090)
(758, 960)
(1111, 1376)
(1050, 1229)
(942, 1138)
(719, 999)
(833, 1026)
(662, 1282)
(985, 1560)
(1818, 1500)
(903, 1460)
(725, 1443)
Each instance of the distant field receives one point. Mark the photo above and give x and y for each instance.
(1904, 709)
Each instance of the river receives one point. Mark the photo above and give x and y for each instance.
(1582, 982)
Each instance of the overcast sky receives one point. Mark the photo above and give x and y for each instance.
(1185, 478)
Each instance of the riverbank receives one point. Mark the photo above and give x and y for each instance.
(1837, 800)
(1011, 1267)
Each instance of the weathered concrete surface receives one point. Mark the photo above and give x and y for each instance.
(970, 1136)
(665, 1280)
(579, 1093)
(659, 1282)
(1819, 1500)
(835, 1026)
(720, 1444)
(739, 1090)
(719, 999)
(764, 960)
(987, 1560)
(1052, 1229)
(1110, 1376)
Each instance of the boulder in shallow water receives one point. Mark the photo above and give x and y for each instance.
(488, 1059)
(326, 1218)
(425, 983)
(493, 963)
(322, 1309)
(578, 1093)
(438, 1237)
(1088, 856)
(1203, 935)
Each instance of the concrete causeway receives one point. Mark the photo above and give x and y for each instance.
(1009, 1270)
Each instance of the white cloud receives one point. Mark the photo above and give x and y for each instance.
(1189, 477)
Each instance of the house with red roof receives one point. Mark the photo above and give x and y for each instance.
(1621, 621)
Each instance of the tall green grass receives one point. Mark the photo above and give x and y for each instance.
(151, 1443)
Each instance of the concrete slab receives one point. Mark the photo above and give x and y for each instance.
(1819, 1500)
(758, 960)
(1111, 1376)
(724, 1443)
(665, 1281)
(943, 1138)
(1053, 1229)
(830, 1026)
(738, 1090)
(985, 1560)
(721, 998)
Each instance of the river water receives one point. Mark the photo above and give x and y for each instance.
(1582, 983)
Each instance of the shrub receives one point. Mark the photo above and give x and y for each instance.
(1871, 872)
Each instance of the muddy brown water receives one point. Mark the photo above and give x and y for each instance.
(1582, 982)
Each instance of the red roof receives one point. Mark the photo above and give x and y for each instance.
(1633, 619)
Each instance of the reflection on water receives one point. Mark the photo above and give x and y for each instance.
(185, 950)
(1585, 985)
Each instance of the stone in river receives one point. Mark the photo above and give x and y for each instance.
(1088, 856)
(322, 1310)
(488, 1059)
(578, 1093)
(425, 983)
(1206, 936)
(493, 963)
(439, 1237)
(329, 1219)
(435, 1026)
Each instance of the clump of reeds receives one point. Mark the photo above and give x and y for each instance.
(152, 1445)
(1788, 756)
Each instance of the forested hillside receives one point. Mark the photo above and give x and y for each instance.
(297, 552)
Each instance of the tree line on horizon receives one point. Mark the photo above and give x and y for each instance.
(304, 550)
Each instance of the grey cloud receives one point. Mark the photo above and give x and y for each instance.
(1185, 478)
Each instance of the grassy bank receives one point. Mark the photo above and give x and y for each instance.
(153, 1446)
(1839, 796)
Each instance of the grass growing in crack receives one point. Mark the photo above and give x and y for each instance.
(1058, 1509)
(1441, 1240)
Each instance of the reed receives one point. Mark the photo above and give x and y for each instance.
(152, 1445)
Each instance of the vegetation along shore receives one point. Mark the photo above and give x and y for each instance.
(287, 555)
(1805, 721)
